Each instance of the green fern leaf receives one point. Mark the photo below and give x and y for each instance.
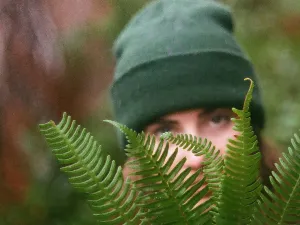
(173, 196)
(282, 206)
(166, 193)
(241, 184)
(213, 162)
(91, 171)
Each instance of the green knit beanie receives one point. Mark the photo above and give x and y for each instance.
(176, 55)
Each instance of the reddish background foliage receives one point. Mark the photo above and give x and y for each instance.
(37, 81)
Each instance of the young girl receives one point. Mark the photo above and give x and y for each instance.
(180, 69)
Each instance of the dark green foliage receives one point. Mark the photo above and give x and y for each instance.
(171, 196)
(164, 192)
(92, 172)
(283, 206)
(214, 163)
(240, 185)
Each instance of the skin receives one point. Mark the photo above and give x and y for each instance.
(215, 125)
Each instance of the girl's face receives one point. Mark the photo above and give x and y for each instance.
(215, 125)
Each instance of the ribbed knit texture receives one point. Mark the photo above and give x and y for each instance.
(176, 55)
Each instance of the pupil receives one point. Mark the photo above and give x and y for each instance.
(217, 119)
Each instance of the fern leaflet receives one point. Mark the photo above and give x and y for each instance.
(241, 184)
(173, 195)
(92, 172)
(282, 207)
(213, 161)
(169, 193)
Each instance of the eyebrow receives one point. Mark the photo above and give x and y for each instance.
(164, 121)
(206, 112)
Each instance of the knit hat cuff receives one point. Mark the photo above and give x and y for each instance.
(184, 82)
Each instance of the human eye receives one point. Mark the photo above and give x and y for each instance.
(219, 118)
(162, 126)
(163, 129)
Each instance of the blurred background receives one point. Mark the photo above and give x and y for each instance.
(55, 56)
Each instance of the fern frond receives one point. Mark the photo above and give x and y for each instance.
(213, 161)
(172, 194)
(241, 184)
(91, 171)
(282, 206)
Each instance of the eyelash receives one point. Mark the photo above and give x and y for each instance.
(162, 129)
(221, 117)
(217, 118)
